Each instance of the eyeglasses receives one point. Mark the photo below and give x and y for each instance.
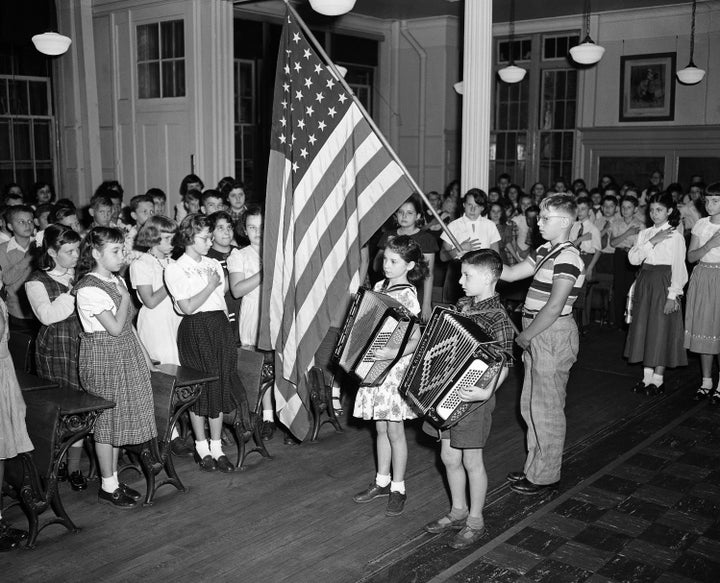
(546, 218)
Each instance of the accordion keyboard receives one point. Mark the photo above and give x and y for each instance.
(380, 341)
(470, 377)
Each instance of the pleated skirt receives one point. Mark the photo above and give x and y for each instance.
(206, 342)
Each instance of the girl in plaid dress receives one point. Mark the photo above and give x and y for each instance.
(113, 363)
(56, 347)
(402, 261)
(206, 342)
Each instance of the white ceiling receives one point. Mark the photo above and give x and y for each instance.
(524, 9)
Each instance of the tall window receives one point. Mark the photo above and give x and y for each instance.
(532, 142)
(161, 59)
(245, 116)
(26, 130)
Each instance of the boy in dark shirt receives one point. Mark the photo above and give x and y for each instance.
(462, 444)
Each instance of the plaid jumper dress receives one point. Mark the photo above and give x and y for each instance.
(113, 367)
(56, 346)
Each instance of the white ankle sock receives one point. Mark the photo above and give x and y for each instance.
(381, 480)
(268, 415)
(174, 434)
(706, 383)
(397, 487)
(202, 448)
(647, 375)
(110, 484)
(657, 379)
(216, 448)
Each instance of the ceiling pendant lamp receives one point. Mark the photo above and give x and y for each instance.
(332, 7)
(512, 73)
(51, 43)
(691, 74)
(587, 52)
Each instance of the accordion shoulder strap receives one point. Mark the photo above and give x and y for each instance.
(397, 287)
(553, 253)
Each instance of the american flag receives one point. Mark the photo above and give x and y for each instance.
(331, 184)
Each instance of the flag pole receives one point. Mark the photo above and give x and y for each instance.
(371, 122)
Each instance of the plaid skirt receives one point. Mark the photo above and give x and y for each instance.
(56, 352)
(206, 342)
(655, 339)
(114, 368)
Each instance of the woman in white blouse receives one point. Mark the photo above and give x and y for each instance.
(656, 331)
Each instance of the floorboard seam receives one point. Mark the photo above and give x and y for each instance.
(550, 506)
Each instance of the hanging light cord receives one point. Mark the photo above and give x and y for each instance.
(587, 20)
(692, 31)
(512, 31)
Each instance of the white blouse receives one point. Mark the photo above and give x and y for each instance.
(92, 300)
(186, 278)
(703, 230)
(670, 252)
(60, 308)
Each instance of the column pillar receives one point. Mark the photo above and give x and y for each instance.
(477, 95)
(76, 98)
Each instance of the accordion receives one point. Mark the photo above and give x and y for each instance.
(453, 353)
(375, 320)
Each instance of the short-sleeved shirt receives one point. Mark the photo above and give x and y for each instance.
(580, 228)
(92, 301)
(186, 278)
(482, 229)
(619, 227)
(247, 262)
(567, 264)
(427, 241)
(703, 230)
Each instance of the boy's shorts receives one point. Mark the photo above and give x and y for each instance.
(472, 431)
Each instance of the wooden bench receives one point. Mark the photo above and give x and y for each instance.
(175, 389)
(256, 381)
(55, 418)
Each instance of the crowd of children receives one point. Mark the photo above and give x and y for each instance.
(197, 278)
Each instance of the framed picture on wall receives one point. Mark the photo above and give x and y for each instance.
(647, 87)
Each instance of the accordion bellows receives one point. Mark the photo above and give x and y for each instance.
(375, 320)
(453, 352)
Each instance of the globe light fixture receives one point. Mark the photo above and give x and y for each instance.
(512, 73)
(587, 52)
(691, 75)
(51, 43)
(332, 7)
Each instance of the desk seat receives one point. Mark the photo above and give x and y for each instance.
(55, 418)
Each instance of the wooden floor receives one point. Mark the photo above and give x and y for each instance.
(292, 518)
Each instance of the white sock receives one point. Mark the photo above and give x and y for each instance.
(110, 484)
(175, 433)
(268, 415)
(657, 380)
(381, 480)
(216, 448)
(648, 375)
(707, 383)
(202, 448)
(335, 392)
(397, 487)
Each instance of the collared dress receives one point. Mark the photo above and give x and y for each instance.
(384, 402)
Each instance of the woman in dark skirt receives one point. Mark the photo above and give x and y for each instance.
(56, 346)
(206, 342)
(656, 331)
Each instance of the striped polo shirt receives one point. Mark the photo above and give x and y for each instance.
(566, 265)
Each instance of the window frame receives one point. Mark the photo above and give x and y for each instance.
(160, 60)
